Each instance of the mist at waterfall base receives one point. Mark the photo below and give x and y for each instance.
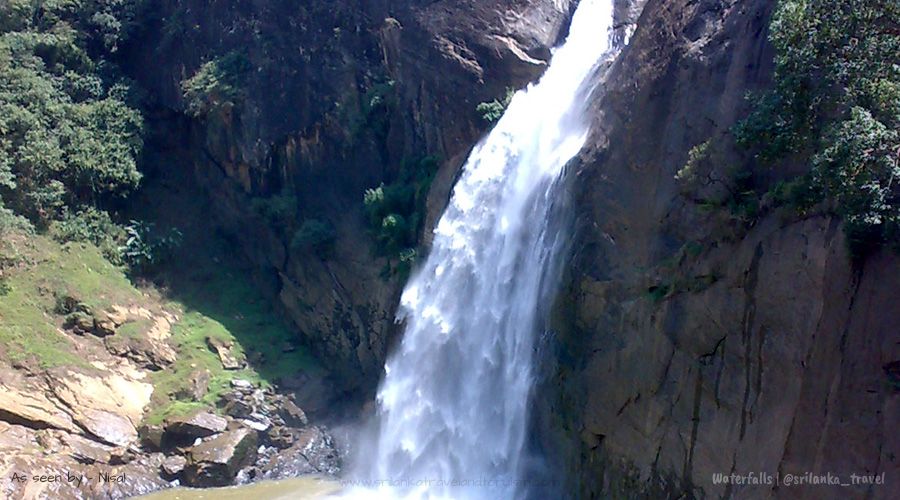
(452, 410)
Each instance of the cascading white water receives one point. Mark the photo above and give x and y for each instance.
(453, 406)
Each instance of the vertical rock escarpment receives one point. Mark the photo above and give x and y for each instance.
(686, 345)
(333, 98)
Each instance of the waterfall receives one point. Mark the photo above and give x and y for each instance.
(453, 406)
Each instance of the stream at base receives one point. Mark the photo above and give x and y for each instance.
(304, 488)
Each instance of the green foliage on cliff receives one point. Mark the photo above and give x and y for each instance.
(217, 84)
(70, 135)
(278, 210)
(491, 111)
(396, 211)
(314, 235)
(836, 104)
(216, 297)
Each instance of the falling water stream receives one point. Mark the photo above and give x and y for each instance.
(453, 405)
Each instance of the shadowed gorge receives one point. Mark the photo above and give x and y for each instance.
(452, 249)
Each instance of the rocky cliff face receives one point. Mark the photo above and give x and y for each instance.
(338, 96)
(690, 343)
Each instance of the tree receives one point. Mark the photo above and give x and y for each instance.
(836, 102)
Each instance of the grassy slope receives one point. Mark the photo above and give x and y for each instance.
(211, 298)
(44, 273)
(218, 300)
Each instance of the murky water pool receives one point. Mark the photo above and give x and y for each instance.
(289, 489)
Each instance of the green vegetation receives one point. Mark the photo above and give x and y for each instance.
(492, 111)
(836, 105)
(697, 154)
(218, 83)
(146, 247)
(730, 191)
(70, 131)
(69, 135)
(217, 299)
(371, 117)
(396, 211)
(91, 225)
(315, 235)
(212, 299)
(41, 274)
(279, 210)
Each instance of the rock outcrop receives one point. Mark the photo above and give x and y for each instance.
(688, 343)
(340, 95)
(80, 430)
(217, 461)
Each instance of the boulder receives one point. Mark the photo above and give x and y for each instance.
(197, 386)
(172, 466)
(291, 414)
(313, 452)
(282, 437)
(238, 408)
(107, 406)
(317, 445)
(146, 352)
(84, 450)
(104, 326)
(239, 383)
(110, 427)
(226, 352)
(216, 462)
(32, 408)
(79, 322)
(198, 425)
(151, 437)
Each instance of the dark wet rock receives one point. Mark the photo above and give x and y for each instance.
(286, 464)
(291, 414)
(311, 393)
(312, 453)
(216, 462)
(123, 456)
(281, 437)
(151, 437)
(238, 408)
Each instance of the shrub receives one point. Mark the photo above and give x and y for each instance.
(216, 84)
(9, 221)
(94, 226)
(395, 211)
(688, 173)
(146, 246)
(315, 235)
(279, 210)
(492, 111)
